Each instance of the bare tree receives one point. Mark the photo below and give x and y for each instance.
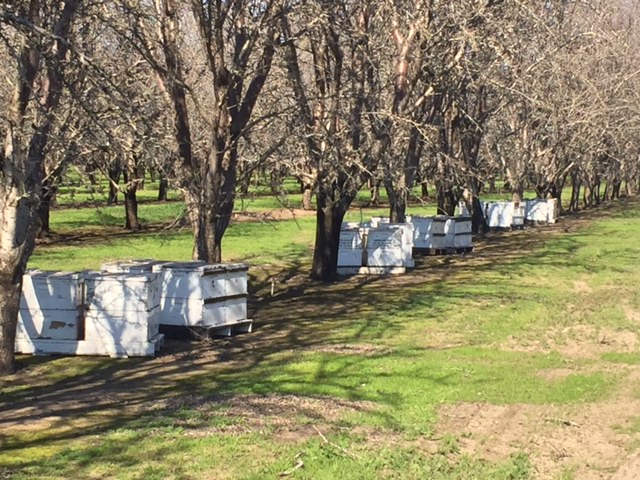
(36, 35)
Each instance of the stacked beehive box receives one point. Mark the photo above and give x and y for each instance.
(123, 312)
(388, 250)
(196, 294)
(375, 248)
(50, 308)
(461, 228)
(441, 234)
(499, 215)
(89, 313)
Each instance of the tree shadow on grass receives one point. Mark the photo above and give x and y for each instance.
(294, 317)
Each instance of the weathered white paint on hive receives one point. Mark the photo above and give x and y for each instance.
(50, 305)
(203, 281)
(121, 317)
(462, 228)
(52, 324)
(121, 328)
(122, 307)
(198, 294)
(351, 247)
(439, 231)
(51, 290)
(87, 347)
(519, 215)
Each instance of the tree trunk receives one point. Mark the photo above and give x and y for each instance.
(575, 195)
(397, 205)
(215, 206)
(44, 209)
(329, 219)
(163, 188)
(132, 221)
(22, 165)
(446, 200)
(114, 172)
(424, 187)
(374, 187)
(307, 196)
(9, 305)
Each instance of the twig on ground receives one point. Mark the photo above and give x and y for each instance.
(343, 450)
(299, 464)
(566, 423)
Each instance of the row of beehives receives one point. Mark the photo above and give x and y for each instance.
(381, 247)
(119, 310)
(504, 214)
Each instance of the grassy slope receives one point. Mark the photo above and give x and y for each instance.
(388, 351)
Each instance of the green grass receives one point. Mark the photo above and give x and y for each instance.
(379, 357)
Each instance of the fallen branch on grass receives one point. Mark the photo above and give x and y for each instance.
(343, 450)
(299, 464)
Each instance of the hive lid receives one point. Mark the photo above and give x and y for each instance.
(35, 273)
(203, 267)
(93, 276)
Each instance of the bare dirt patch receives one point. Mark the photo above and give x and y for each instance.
(578, 342)
(589, 438)
(554, 437)
(289, 418)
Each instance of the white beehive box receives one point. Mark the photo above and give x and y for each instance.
(196, 313)
(122, 308)
(203, 281)
(542, 211)
(112, 315)
(422, 232)
(519, 215)
(196, 294)
(351, 247)
(50, 305)
(440, 229)
(498, 214)
(49, 324)
(118, 293)
(385, 247)
(462, 232)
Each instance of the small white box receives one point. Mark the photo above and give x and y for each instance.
(117, 293)
(51, 290)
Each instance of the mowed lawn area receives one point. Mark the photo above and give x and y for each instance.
(517, 361)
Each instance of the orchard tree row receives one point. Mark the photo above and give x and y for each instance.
(338, 94)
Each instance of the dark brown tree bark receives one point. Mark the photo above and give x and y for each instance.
(132, 221)
(163, 188)
(329, 217)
